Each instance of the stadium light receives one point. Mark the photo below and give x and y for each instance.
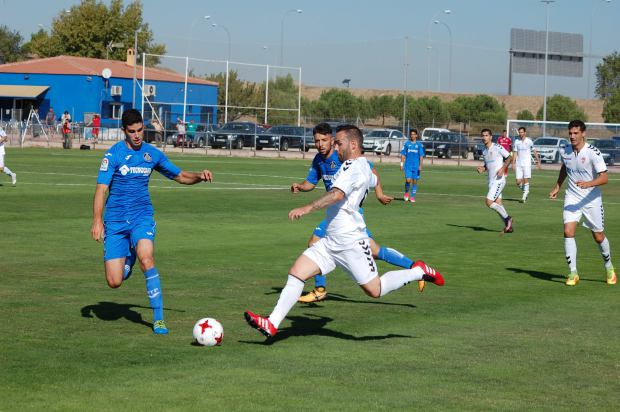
(298, 11)
(191, 27)
(594, 4)
(449, 53)
(429, 47)
(227, 34)
(547, 2)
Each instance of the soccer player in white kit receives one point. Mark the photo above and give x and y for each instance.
(3, 139)
(346, 243)
(585, 168)
(522, 164)
(496, 160)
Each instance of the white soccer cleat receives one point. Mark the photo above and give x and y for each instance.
(13, 179)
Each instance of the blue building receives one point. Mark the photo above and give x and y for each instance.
(85, 86)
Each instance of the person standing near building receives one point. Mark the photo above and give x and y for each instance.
(66, 134)
(191, 133)
(411, 158)
(3, 139)
(523, 149)
(128, 226)
(180, 132)
(158, 131)
(496, 159)
(96, 125)
(50, 121)
(585, 168)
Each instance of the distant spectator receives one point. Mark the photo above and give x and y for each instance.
(180, 131)
(96, 123)
(66, 134)
(65, 116)
(158, 131)
(191, 133)
(50, 121)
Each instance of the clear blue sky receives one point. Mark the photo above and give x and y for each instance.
(364, 40)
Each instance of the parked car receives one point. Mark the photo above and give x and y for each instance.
(610, 149)
(236, 135)
(429, 131)
(447, 144)
(549, 148)
(284, 137)
(201, 139)
(477, 150)
(384, 141)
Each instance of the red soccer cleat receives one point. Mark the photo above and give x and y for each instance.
(262, 324)
(430, 274)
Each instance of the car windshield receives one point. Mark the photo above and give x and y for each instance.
(603, 144)
(379, 133)
(546, 142)
(236, 126)
(438, 137)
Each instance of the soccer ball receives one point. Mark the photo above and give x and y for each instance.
(208, 332)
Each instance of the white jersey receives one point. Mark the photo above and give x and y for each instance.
(2, 136)
(494, 160)
(523, 148)
(345, 223)
(582, 166)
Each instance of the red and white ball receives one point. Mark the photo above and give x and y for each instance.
(208, 332)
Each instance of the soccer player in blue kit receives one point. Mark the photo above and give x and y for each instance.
(324, 166)
(128, 227)
(411, 158)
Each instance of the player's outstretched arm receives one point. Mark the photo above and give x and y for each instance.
(191, 178)
(329, 198)
(304, 186)
(600, 180)
(381, 197)
(556, 189)
(96, 230)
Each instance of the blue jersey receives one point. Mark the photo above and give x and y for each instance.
(127, 172)
(324, 168)
(413, 152)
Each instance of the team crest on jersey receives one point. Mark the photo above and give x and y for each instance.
(583, 160)
(104, 165)
(147, 157)
(332, 165)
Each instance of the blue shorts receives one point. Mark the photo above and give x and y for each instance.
(319, 231)
(412, 174)
(119, 236)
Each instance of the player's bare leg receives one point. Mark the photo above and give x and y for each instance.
(114, 269)
(393, 280)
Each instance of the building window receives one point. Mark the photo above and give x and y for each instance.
(117, 110)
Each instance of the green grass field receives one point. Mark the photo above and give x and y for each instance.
(504, 333)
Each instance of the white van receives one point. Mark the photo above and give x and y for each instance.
(429, 131)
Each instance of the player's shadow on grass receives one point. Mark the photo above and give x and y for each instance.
(474, 228)
(335, 297)
(550, 277)
(110, 311)
(314, 325)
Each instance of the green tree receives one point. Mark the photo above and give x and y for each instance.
(481, 108)
(381, 106)
(339, 104)
(11, 45)
(243, 94)
(426, 111)
(525, 115)
(91, 26)
(283, 94)
(608, 86)
(561, 109)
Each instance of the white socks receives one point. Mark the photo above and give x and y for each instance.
(570, 248)
(499, 209)
(288, 297)
(7, 171)
(396, 279)
(606, 253)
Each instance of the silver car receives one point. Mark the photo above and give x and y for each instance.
(549, 148)
(384, 141)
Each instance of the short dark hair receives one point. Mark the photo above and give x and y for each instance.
(577, 123)
(352, 132)
(131, 116)
(522, 128)
(413, 130)
(322, 128)
(486, 130)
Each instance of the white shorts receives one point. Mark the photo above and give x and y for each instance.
(495, 188)
(593, 214)
(357, 261)
(523, 171)
(1, 161)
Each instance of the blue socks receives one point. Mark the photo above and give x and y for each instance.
(153, 290)
(130, 260)
(320, 281)
(407, 185)
(414, 189)
(394, 257)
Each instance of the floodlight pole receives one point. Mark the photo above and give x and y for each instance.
(298, 11)
(135, 61)
(429, 47)
(405, 66)
(590, 46)
(547, 2)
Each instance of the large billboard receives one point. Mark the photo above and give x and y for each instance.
(565, 55)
